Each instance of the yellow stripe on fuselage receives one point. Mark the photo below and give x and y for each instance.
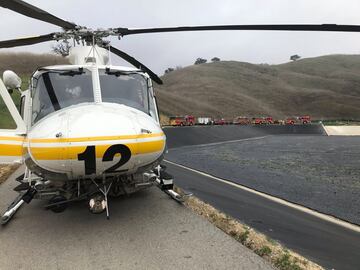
(11, 150)
(12, 147)
(100, 138)
(6, 138)
(72, 152)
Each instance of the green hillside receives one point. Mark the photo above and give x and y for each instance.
(326, 87)
(24, 64)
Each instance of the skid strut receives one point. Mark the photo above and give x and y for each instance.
(165, 182)
(16, 204)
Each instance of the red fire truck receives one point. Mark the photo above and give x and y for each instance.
(259, 121)
(269, 120)
(298, 120)
(187, 120)
(304, 119)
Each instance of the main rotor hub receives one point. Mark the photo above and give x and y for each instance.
(83, 55)
(88, 35)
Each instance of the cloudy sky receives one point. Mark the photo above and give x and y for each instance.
(160, 51)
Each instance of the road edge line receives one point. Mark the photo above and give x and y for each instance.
(298, 207)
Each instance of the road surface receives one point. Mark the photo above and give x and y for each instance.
(147, 230)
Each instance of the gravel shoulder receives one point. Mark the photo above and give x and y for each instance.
(6, 171)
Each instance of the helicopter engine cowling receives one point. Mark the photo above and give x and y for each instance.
(89, 140)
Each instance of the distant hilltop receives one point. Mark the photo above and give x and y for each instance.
(326, 87)
(26, 63)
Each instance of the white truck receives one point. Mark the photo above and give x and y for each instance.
(204, 121)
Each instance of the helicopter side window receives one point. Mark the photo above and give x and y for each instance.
(129, 89)
(56, 90)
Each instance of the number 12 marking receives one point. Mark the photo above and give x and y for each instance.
(89, 157)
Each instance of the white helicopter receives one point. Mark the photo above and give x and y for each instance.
(91, 129)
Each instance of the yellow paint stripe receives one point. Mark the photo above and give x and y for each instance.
(62, 153)
(11, 150)
(8, 138)
(100, 138)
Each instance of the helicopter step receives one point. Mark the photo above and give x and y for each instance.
(165, 182)
(16, 204)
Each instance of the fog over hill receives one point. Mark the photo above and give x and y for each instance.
(326, 87)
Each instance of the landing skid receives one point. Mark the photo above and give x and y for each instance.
(165, 182)
(16, 204)
(98, 202)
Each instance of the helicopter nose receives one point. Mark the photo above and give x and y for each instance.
(94, 139)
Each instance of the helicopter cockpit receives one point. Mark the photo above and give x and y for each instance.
(56, 89)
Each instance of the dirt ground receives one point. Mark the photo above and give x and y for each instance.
(6, 171)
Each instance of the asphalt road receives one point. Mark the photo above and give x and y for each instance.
(147, 230)
(319, 172)
(195, 135)
(328, 244)
(325, 243)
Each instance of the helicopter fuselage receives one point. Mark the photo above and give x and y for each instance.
(89, 140)
(89, 121)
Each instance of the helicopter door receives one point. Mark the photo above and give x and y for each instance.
(12, 129)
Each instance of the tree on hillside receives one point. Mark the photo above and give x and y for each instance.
(215, 59)
(295, 57)
(200, 61)
(168, 70)
(62, 48)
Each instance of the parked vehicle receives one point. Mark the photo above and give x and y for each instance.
(241, 121)
(187, 120)
(221, 121)
(259, 121)
(269, 120)
(291, 121)
(204, 121)
(279, 122)
(298, 120)
(305, 119)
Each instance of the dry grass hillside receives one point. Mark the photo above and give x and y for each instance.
(326, 87)
(25, 64)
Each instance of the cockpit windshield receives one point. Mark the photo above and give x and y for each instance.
(128, 88)
(57, 89)
(54, 90)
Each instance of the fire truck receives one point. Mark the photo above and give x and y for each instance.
(298, 120)
(269, 120)
(259, 121)
(304, 119)
(220, 122)
(187, 120)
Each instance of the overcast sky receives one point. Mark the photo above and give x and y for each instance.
(159, 51)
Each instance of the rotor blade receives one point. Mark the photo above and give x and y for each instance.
(263, 27)
(26, 41)
(136, 63)
(36, 13)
